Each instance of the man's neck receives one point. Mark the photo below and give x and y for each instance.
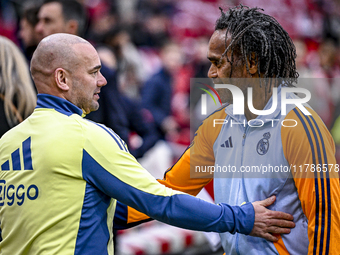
(261, 96)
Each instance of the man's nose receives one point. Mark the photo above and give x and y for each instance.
(212, 73)
(102, 80)
(39, 28)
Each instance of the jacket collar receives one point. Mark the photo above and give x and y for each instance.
(261, 118)
(59, 104)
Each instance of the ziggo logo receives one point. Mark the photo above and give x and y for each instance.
(10, 193)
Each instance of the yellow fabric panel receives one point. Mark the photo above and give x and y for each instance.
(63, 194)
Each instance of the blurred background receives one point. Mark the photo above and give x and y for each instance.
(153, 48)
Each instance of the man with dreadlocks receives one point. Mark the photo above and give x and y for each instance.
(251, 49)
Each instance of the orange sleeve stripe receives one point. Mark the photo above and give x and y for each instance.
(322, 227)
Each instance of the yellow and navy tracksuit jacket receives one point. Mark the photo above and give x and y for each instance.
(61, 176)
(289, 156)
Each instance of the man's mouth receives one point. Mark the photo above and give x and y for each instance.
(96, 94)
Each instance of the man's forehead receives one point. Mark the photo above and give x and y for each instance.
(50, 9)
(217, 44)
(219, 34)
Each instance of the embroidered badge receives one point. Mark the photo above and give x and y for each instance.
(263, 145)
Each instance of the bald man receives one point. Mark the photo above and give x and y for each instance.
(71, 72)
(61, 175)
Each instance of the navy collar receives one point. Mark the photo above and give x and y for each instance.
(59, 104)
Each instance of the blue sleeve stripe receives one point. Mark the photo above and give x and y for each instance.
(315, 181)
(329, 200)
(116, 136)
(323, 207)
(121, 140)
(118, 140)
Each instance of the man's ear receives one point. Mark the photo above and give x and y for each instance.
(61, 79)
(72, 27)
(253, 64)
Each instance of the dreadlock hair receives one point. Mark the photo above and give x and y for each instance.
(255, 34)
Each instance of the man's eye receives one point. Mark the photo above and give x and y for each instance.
(217, 63)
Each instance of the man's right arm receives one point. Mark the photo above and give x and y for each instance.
(110, 168)
(178, 177)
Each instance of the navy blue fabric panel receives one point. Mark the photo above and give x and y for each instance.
(121, 214)
(59, 104)
(93, 234)
(16, 160)
(179, 210)
(26, 150)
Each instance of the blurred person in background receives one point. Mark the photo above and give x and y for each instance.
(157, 94)
(61, 16)
(323, 66)
(28, 20)
(151, 27)
(103, 17)
(130, 65)
(158, 90)
(17, 93)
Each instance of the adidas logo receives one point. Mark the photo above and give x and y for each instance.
(17, 159)
(228, 143)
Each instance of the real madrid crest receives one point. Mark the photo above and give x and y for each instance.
(263, 145)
